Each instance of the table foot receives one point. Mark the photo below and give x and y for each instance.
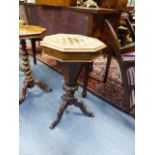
(42, 86)
(64, 106)
(84, 109)
(31, 84)
(59, 114)
(24, 88)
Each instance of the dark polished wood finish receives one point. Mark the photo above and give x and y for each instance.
(70, 86)
(33, 44)
(87, 69)
(109, 57)
(64, 19)
(78, 51)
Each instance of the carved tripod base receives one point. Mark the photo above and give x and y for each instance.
(29, 81)
(28, 85)
(71, 72)
(69, 99)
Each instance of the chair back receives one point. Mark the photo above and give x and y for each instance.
(113, 41)
(130, 28)
(114, 44)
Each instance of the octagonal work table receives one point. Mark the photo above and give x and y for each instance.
(29, 32)
(72, 51)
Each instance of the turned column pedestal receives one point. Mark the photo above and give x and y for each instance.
(71, 71)
(29, 32)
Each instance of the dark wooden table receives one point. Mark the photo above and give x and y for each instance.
(72, 20)
(72, 51)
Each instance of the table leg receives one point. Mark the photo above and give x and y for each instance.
(107, 67)
(87, 69)
(71, 72)
(33, 44)
(29, 80)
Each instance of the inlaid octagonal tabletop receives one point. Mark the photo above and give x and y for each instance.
(30, 31)
(72, 47)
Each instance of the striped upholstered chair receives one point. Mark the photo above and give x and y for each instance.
(126, 59)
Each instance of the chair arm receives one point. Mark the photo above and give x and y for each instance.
(127, 48)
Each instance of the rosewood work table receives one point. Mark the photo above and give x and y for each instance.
(72, 52)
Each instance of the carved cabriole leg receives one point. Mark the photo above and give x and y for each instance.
(71, 72)
(59, 114)
(42, 86)
(84, 109)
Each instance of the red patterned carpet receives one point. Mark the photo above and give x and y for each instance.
(111, 91)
